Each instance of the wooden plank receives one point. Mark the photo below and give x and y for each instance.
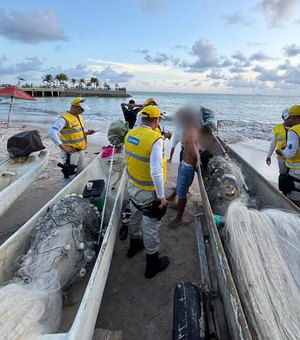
(204, 271)
(106, 334)
(235, 315)
(214, 307)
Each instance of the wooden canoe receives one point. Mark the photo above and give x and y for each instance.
(16, 174)
(267, 196)
(80, 313)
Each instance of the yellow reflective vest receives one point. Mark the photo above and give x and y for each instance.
(281, 135)
(294, 163)
(73, 133)
(138, 147)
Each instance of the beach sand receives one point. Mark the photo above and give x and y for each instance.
(44, 188)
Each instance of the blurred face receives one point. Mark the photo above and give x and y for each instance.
(288, 122)
(295, 120)
(77, 110)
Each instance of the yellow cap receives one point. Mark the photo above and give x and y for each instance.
(294, 110)
(150, 100)
(151, 111)
(76, 101)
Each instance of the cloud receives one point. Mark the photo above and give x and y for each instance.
(291, 50)
(242, 83)
(32, 64)
(31, 27)
(236, 18)
(112, 76)
(159, 58)
(259, 56)
(29, 65)
(238, 55)
(277, 11)
(216, 75)
(141, 51)
(206, 54)
(266, 74)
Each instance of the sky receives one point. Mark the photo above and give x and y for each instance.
(196, 46)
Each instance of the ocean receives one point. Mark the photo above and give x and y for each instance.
(245, 121)
(241, 116)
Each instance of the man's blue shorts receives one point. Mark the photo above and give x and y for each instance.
(185, 179)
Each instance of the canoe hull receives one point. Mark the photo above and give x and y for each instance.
(17, 175)
(83, 318)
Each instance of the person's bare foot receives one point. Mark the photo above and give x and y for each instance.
(171, 198)
(174, 224)
(173, 205)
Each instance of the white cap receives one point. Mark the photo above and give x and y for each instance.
(285, 114)
(84, 106)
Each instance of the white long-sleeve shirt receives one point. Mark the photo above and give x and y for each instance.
(156, 168)
(291, 145)
(272, 146)
(54, 131)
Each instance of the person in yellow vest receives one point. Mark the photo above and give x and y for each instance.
(147, 171)
(290, 182)
(68, 133)
(153, 102)
(279, 141)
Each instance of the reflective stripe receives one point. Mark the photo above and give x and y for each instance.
(293, 164)
(144, 183)
(138, 157)
(66, 131)
(281, 139)
(72, 141)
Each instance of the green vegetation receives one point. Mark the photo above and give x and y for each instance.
(62, 80)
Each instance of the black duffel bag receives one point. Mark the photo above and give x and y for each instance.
(24, 143)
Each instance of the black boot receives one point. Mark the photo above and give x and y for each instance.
(155, 264)
(123, 232)
(136, 244)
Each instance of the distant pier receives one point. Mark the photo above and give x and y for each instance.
(62, 92)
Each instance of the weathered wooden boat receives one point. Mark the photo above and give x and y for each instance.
(80, 312)
(16, 174)
(216, 278)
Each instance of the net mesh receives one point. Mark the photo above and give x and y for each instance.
(62, 246)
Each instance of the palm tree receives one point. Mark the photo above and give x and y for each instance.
(106, 86)
(48, 79)
(62, 78)
(81, 82)
(73, 81)
(94, 81)
(117, 86)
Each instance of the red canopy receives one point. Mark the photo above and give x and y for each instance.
(15, 92)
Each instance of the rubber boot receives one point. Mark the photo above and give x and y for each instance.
(136, 244)
(155, 264)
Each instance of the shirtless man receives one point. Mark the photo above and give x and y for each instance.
(187, 167)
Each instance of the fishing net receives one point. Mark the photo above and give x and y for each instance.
(224, 182)
(264, 254)
(63, 244)
(263, 249)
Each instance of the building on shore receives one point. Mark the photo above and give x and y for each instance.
(77, 92)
